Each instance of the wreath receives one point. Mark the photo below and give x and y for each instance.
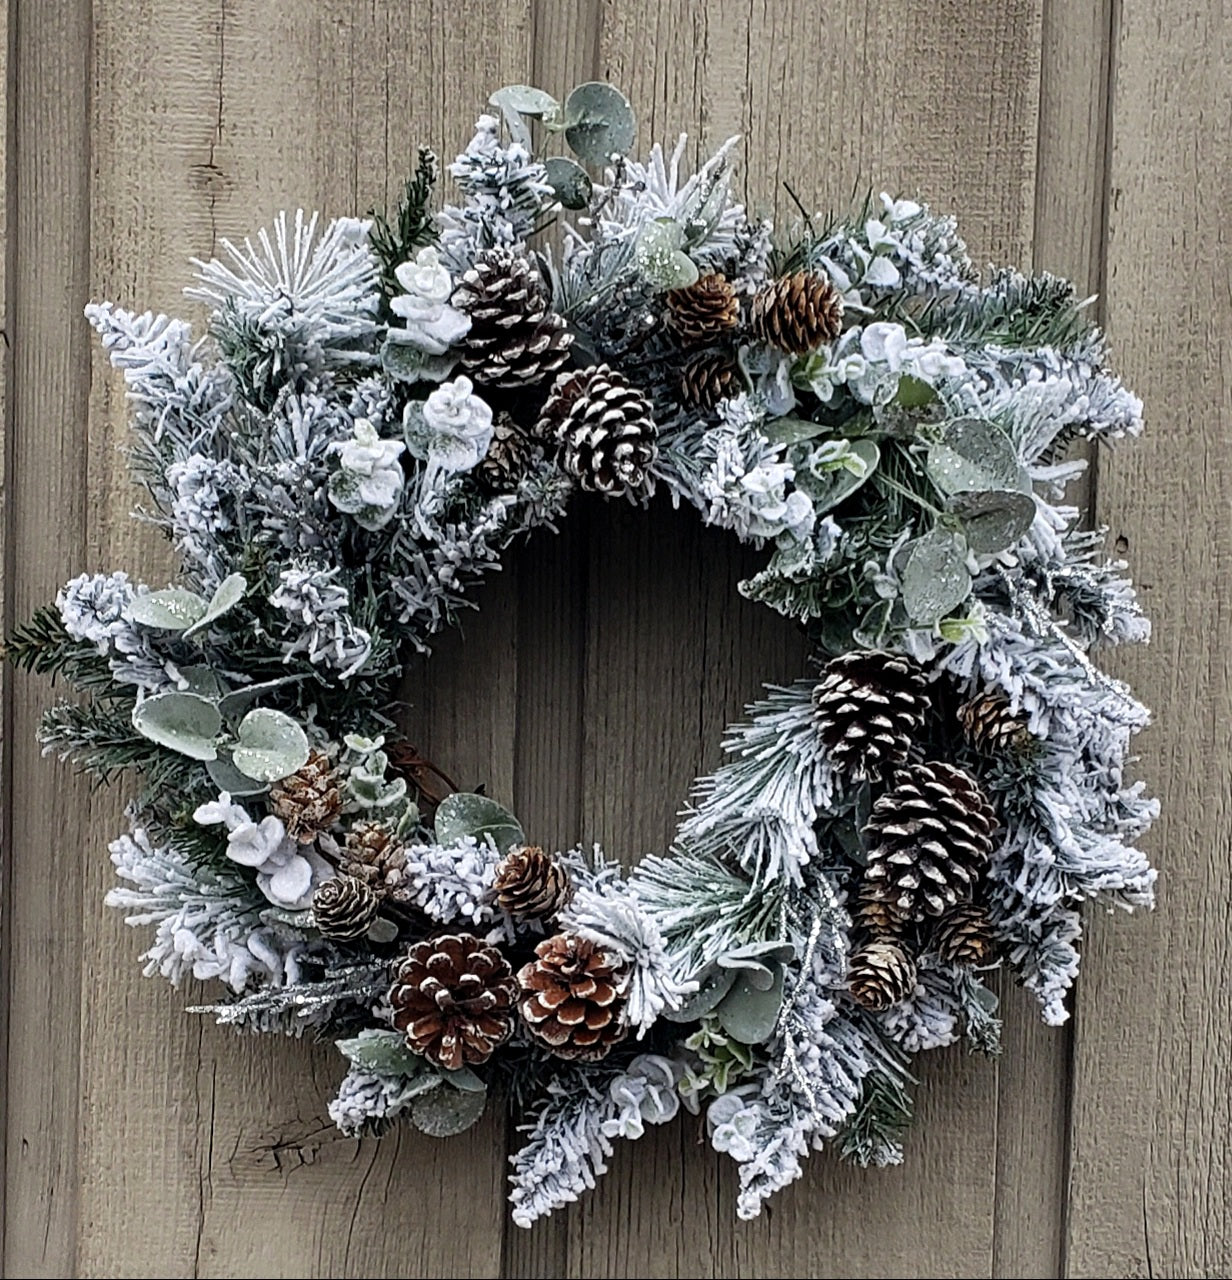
(379, 409)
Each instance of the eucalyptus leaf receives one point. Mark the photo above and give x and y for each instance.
(467, 814)
(599, 122)
(914, 393)
(986, 999)
(201, 680)
(993, 519)
(231, 702)
(713, 983)
(269, 745)
(974, 454)
(407, 363)
(445, 1111)
(757, 953)
(792, 430)
(569, 181)
(526, 100)
(749, 1013)
(227, 595)
(832, 487)
(465, 1079)
(660, 259)
(381, 1052)
(381, 930)
(935, 577)
(173, 609)
(226, 777)
(183, 722)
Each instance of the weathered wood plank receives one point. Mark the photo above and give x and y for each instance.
(1152, 1109)
(48, 829)
(889, 99)
(1033, 1079)
(247, 1174)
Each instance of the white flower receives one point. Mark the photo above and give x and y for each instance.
(432, 325)
(772, 511)
(253, 844)
(221, 810)
(459, 427)
(733, 1126)
(368, 482)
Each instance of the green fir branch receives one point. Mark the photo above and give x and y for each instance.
(395, 242)
(874, 1134)
(44, 647)
(101, 741)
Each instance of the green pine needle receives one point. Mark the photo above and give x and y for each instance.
(395, 242)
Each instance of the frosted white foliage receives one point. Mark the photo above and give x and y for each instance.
(94, 608)
(366, 1101)
(317, 606)
(454, 882)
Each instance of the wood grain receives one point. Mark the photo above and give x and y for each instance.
(49, 823)
(1152, 1105)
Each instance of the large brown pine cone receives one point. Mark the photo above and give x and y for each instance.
(531, 884)
(880, 974)
(797, 313)
(515, 339)
(344, 907)
(604, 428)
(310, 800)
(453, 998)
(869, 707)
(703, 312)
(373, 855)
(572, 998)
(929, 840)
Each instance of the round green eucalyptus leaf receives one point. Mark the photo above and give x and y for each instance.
(269, 745)
(792, 430)
(467, 814)
(569, 181)
(660, 259)
(447, 1111)
(183, 722)
(526, 101)
(465, 1079)
(226, 777)
(935, 577)
(713, 983)
(174, 609)
(833, 487)
(749, 1012)
(914, 393)
(993, 519)
(381, 1052)
(599, 122)
(973, 454)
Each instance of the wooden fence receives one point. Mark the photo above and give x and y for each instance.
(1090, 137)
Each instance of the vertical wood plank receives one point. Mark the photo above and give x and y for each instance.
(47, 829)
(254, 108)
(1152, 1108)
(8, 76)
(1033, 1086)
(891, 100)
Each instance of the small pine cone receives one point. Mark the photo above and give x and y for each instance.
(373, 855)
(875, 918)
(880, 975)
(929, 838)
(573, 997)
(515, 340)
(531, 884)
(990, 726)
(797, 313)
(453, 998)
(310, 800)
(508, 455)
(704, 311)
(604, 428)
(709, 377)
(344, 907)
(965, 935)
(869, 707)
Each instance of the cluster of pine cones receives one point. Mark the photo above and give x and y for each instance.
(796, 313)
(929, 835)
(600, 426)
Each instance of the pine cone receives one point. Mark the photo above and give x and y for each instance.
(514, 339)
(531, 884)
(309, 801)
(929, 838)
(877, 919)
(604, 428)
(508, 456)
(573, 997)
(965, 935)
(990, 726)
(797, 313)
(453, 997)
(709, 377)
(372, 855)
(880, 974)
(869, 707)
(344, 907)
(704, 311)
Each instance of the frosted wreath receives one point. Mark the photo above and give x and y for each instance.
(379, 409)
